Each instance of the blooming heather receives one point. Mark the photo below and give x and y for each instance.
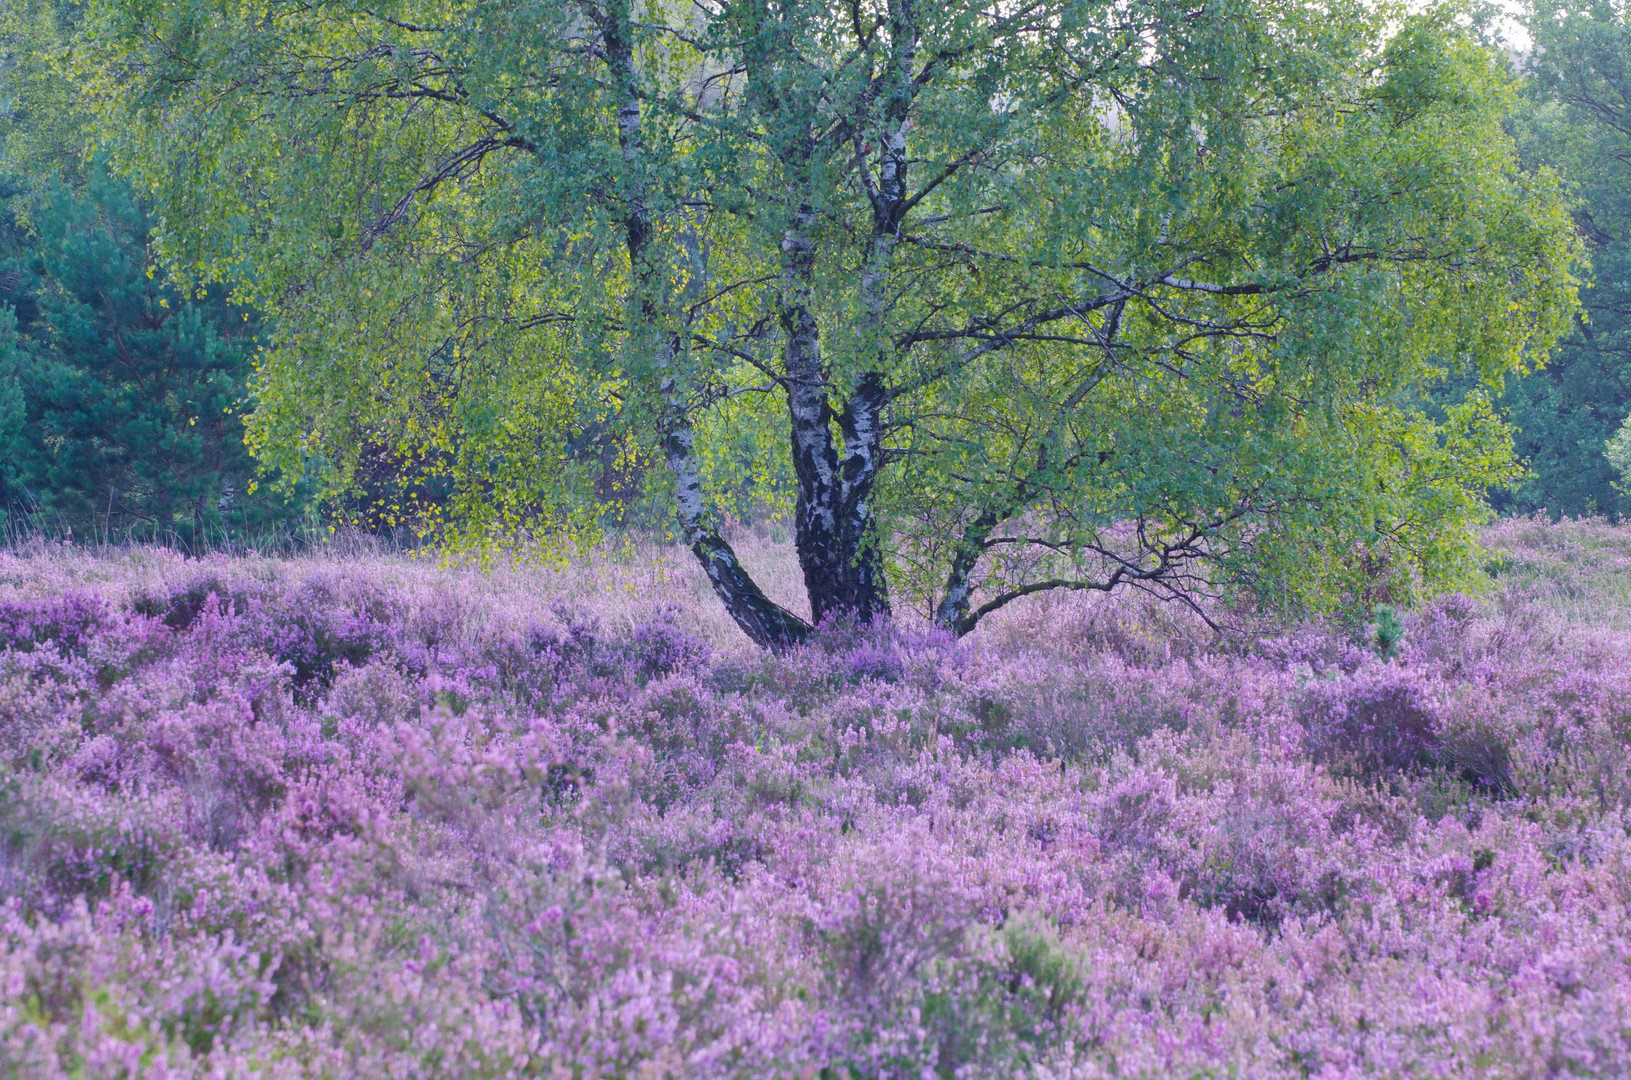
(364, 817)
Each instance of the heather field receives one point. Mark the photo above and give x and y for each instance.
(357, 815)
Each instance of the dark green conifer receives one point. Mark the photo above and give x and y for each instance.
(132, 390)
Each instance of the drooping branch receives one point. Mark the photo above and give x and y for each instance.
(455, 166)
(1160, 566)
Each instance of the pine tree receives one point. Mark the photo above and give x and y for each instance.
(130, 391)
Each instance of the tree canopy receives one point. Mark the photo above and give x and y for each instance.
(1057, 294)
(1575, 118)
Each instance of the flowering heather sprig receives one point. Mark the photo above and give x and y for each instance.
(372, 818)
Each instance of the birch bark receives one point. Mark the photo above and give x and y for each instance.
(655, 330)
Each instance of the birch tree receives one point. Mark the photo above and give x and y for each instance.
(1059, 294)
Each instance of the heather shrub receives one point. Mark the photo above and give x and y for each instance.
(182, 602)
(1381, 718)
(379, 818)
(662, 645)
(1006, 1003)
(63, 845)
(322, 623)
(373, 695)
(62, 622)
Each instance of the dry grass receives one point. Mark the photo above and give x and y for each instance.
(1581, 570)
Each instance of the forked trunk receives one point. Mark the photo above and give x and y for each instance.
(835, 530)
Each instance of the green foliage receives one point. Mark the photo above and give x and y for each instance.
(1158, 307)
(11, 408)
(1618, 452)
(44, 128)
(1577, 120)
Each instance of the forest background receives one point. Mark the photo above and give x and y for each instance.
(126, 375)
